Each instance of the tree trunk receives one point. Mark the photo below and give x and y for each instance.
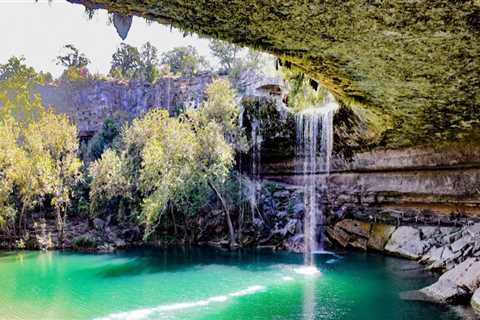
(172, 215)
(231, 231)
(240, 223)
(60, 225)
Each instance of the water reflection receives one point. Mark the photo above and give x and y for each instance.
(309, 304)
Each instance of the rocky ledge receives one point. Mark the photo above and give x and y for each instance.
(453, 250)
(82, 234)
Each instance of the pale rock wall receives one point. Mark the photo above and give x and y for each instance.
(439, 185)
(89, 102)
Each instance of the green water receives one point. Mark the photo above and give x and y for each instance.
(209, 284)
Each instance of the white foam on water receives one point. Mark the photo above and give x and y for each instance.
(247, 291)
(287, 278)
(307, 271)
(141, 314)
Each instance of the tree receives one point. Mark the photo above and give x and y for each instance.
(168, 170)
(184, 61)
(129, 153)
(162, 175)
(16, 82)
(222, 109)
(72, 58)
(52, 143)
(106, 137)
(226, 54)
(130, 63)
(110, 186)
(16, 68)
(149, 62)
(126, 62)
(11, 153)
(214, 160)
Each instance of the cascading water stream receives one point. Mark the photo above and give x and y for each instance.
(314, 158)
(255, 185)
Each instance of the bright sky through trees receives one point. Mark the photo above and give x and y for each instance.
(52, 25)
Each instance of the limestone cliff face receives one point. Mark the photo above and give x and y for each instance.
(418, 185)
(438, 185)
(89, 102)
(424, 184)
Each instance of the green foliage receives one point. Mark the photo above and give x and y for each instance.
(39, 161)
(52, 144)
(125, 62)
(72, 58)
(106, 137)
(184, 61)
(75, 74)
(110, 183)
(40, 149)
(221, 108)
(150, 172)
(238, 64)
(149, 62)
(130, 63)
(16, 80)
(226, 54)
(16, 69)
(11, 153)
(302, 95)
(84, 242)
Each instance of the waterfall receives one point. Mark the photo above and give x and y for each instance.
(255, 185)
(308, 150)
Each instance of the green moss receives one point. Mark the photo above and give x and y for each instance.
(84, 242)
(277, 130)
(415, 62)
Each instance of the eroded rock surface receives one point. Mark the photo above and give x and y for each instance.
(475, 302)
(89, 102)
(406, 241)
(456, 285)
(451, 249)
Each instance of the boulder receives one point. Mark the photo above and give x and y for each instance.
(456, 285)
(461, 243)
(406, 242)
(339, 235)
(428, 232)
(475, 301)
(359, 243)
(434, 255)
(447, 254)
(379, 235)
(355, 227)
(473, 230)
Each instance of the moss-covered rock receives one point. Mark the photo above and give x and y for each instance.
(415, 61)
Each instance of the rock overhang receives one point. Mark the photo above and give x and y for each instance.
(415, 62)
